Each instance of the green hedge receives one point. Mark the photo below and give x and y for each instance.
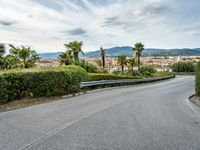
(97, 77)
(198, 79)
(40, 83)
(183, 67)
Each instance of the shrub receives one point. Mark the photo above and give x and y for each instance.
(117, 72)
(97, 77)
(198, 79)
(41, 83)
(147, 70)
(183, 67)
(88, 67)
(103, 71)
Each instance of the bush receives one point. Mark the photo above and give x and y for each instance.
(103, 71)
(88, 67)
(198, 79)
(97, 77)
(41, 83)
(183, 67)
(147, 70)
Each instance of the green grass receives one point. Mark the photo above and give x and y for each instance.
(162, 74)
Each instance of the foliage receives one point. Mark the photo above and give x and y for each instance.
(40, 83)
(66, 58)
(131, 63)
(97, 77)
(139, 47)
(127, 72)
(197, 82)
(88, 67)
(122, 61)
(185, 66)
(75, 48)
(24, 56)
(101, 70)
(147, 70)
(2, 52)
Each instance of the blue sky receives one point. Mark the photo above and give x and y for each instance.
(46, 25)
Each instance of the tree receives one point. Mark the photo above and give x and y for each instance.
(122, 61)
(139, 47)
(66, 58)
(2, 50)
(103, 57)
(131, 62)
(2, 59)
(11, 62)
(25, 55)
(75, 47)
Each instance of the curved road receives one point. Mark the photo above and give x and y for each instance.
(155, 116)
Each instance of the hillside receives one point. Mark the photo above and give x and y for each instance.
(126, 50)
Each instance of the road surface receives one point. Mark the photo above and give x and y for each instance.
(155, 116)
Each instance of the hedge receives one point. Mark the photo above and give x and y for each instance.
(97, 77)
(183, 67)
(40, 83)
(198, 79)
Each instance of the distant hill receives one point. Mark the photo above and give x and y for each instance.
(126, 50)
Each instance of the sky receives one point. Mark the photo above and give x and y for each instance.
(46, 25)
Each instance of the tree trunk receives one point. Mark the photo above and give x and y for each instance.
(138, 62)
(122, 69)
(132, 71)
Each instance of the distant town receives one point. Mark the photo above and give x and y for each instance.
(161, 63)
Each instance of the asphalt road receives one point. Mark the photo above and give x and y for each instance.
(155, 116)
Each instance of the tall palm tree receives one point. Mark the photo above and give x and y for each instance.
(66, 57)
(26, 56)
(139, 47)
(131, 62)
(122, 61)
(75, 47)
(103, 57)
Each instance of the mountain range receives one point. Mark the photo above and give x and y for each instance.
(126, 50)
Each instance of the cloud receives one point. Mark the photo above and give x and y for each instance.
(157, 23)
(113, 21)
(55, 5)
(7, 23)
(76, 32)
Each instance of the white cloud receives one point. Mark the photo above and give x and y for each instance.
(47, 24)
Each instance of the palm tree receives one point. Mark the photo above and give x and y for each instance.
(26, 56)
(103, 57)
(66, 58)
(122, 61)
(139, 47)
(131, 62)
(11, 62)
(75, 47)
(2, 52)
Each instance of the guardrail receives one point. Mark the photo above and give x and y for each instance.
(122, 82)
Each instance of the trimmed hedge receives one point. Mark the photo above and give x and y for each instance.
(98, 77)
(198, 79)
(41, 83)
(183, 67)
